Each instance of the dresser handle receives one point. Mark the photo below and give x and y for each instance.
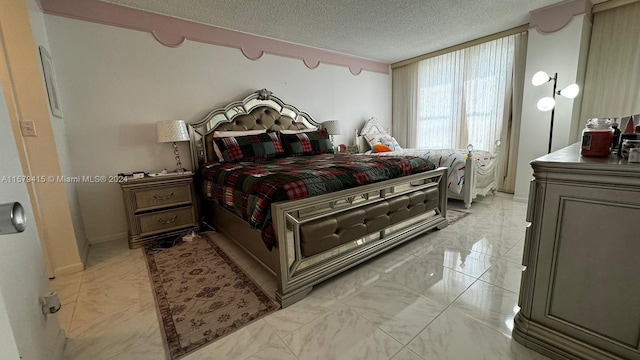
(165, 197)
(168, 221)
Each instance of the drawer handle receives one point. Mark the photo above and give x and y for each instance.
(165, 197)
(168, 221)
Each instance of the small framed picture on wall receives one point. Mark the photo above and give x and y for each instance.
(50, 82)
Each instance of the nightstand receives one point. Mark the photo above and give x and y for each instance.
(158, 207)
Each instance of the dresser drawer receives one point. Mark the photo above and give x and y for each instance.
(154, 198)
(166, 220)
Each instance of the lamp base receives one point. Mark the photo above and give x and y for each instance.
(179, 169)
(333, 145)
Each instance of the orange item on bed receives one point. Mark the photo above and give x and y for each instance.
(381, 148)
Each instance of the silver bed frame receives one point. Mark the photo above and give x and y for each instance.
(296, 274)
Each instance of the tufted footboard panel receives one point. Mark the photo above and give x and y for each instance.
(337, 229)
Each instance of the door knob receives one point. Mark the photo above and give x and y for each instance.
(12, 218)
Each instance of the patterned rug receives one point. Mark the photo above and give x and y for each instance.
(455, 215)
(201, 294)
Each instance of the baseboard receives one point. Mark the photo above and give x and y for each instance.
(521, 199)
(85, 253)
(61, 341)
(69, 269)
(107, 238)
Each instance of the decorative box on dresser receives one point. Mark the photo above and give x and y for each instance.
(580, 291)
(158, 207)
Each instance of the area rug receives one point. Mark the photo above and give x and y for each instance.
(201, 294)
(455, 215)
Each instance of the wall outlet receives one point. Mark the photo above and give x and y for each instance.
(28, 128)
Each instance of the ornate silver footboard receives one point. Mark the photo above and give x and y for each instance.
(374, 217)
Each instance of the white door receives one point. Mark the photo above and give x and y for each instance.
(8, 348)
(24, 329)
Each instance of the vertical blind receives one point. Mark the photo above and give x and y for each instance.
(404, 94)
(612, 81)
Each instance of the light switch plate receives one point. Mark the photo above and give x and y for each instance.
(28, 128)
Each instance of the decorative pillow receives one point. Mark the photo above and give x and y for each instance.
(238, 133)
(307, 143)
(219, 134)
(384, 139)
(378, 148)
(257, 147)
(297, 131)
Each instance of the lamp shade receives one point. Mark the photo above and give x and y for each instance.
(546, 104)
(333, 127)
(571, 91)
(540, 78)
(172, 130)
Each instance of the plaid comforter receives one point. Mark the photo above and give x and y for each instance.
(249, 188)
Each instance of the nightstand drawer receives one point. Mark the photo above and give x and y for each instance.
(148, 199)
(167, 220)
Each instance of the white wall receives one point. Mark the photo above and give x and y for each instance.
(38, 29)
(22, 273)
(564, 52)
(116, 83)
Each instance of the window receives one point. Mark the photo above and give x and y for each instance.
(462, 96)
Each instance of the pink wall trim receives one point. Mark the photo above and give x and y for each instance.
(556, 17)
(173, 32)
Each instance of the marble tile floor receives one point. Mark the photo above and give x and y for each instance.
(451, 294)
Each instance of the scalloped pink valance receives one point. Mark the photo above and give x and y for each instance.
(174, 32)
(556, 17)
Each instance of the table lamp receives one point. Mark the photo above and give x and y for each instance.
(333, 128)
(173, 131)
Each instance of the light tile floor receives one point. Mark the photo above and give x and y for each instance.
(451, 294)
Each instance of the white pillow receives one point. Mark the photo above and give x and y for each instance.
(384, 139)
(238, 133)
(297, 131)
(220, 134)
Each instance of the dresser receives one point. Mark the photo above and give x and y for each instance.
(159, 207)
(580, 291)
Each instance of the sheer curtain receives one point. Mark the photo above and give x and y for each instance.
(462, 97)
(612, 82)
(440, 102)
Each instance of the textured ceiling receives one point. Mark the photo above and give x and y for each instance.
(384, 30)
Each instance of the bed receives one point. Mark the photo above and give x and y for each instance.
(462, 184)
(304, 240)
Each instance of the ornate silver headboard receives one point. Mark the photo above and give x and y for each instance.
(260, 110)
